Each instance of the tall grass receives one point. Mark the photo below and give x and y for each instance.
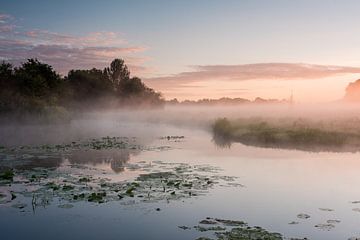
(288, 133)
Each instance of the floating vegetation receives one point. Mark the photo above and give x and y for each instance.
(184, 227)
(164, 182)
(94, 143)
(293, 223)
(96, 197)
(213, 228)
(333, 221)
(7, 175)
(303, 216)
(115, 151)
(288, 134)
(325, 226)
(248, 233)
(207, 221)
(329, 225)
(174, 138)
(235, 230)
(225, 229)
(326, 209)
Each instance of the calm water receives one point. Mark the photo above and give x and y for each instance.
(278, 185)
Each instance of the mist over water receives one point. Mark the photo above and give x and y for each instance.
(151, 123)
(276, 184)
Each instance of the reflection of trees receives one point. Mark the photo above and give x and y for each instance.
(116, 158)
(221, 141)
(38, 162)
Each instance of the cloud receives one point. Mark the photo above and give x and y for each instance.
(65, 51)
(259, 71)
(6, 25)
(104, 38)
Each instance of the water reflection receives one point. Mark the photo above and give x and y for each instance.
(115, 158)
(226, 142)
(28, 162)
(221, 142)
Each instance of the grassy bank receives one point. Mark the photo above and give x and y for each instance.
(288, 134)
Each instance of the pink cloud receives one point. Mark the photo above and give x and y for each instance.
(65, 51)
(4, 17)
(259, 71)
(64, 58)
(104, 38)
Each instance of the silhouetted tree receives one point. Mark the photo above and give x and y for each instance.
(36, 87)
(6, 75)
(36, 79)
(118, 73)
(85, 85)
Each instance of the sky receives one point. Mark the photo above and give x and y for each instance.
(192, 49)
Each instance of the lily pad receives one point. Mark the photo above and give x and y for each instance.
(303, 216)
(325, 226)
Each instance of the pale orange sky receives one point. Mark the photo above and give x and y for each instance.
(321, 86)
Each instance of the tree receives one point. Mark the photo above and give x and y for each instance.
(35, 87)
(85, 85)
(6, 75)
(118, 73)
(36, 79)
(132, 86)
(353, 92)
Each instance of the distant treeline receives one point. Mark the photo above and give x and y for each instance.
(226, 101)
(353, 92)
(34, 87)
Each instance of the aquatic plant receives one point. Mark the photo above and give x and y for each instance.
(285, 134)
(225, 229)
(7, 175)
(164, 182)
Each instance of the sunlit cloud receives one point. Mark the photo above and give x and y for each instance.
(260, 71)
(65, 51)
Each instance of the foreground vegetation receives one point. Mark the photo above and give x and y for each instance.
(35, 88)
(288, 133)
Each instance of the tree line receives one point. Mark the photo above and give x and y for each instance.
(35, 87)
